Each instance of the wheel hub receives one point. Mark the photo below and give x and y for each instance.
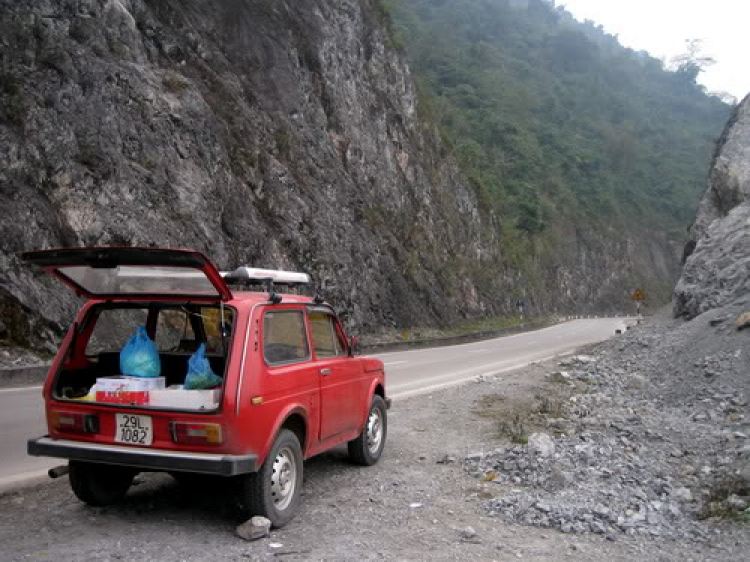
(374, 431)
(283, 478)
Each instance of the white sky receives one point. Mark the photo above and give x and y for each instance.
(662, 26)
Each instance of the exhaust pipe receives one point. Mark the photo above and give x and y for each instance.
(58, 471)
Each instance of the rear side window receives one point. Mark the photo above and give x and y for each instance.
(114, 328)
(183, 329)
(179, 329)
(284, 338)
(324, 336)
(174, 331)
(211, 318)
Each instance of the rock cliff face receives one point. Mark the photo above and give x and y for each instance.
(717, 254)
(279, 134)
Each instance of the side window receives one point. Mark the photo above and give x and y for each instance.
(174, 331)
(284, 338)
(326, 340)
(211, 317)
(113, 329)
(338, 335)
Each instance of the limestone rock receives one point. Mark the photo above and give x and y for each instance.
(542, 444)
(254, 528)
(277, 137)
(718, 250)
(683, 494)
(468, 533)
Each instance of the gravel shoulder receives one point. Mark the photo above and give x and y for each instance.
(426, 499)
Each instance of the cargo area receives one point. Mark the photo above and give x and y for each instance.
(94, 363)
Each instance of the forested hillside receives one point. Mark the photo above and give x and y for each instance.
(554, 121)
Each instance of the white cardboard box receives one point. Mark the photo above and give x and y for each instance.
(122, 382)
(185, 399)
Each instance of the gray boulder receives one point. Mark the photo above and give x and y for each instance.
(542, 444)
(254, 528)
(717, 254)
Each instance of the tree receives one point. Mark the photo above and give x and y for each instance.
(692, 62)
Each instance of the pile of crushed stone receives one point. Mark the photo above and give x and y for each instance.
(655, 439)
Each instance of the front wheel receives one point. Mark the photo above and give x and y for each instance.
(275, 490)
(367, 448)
(100, 484)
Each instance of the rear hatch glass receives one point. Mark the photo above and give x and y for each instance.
(133, 273)
(92, 369)
(129, 279)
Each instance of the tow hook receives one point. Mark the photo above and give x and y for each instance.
(58, 471)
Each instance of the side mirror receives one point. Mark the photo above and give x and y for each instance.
(353, 345)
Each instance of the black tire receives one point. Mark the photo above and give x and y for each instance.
(99, 484)
(368, 447)
(272, 491)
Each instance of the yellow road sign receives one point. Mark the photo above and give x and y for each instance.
(639, 295)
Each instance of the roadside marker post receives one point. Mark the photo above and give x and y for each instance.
(638, 296)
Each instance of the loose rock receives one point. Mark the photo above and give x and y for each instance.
(468, 533)
(542, 444)
(254, 528)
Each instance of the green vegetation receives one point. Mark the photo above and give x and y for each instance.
(470, 327)
(517, 418)
(496, 324)
(719, 501)
(553, 120)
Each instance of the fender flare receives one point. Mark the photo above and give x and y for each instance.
(379, 381)
(286, 413)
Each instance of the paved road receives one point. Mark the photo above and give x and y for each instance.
(424, 370)
(409, 373)
(21, 417)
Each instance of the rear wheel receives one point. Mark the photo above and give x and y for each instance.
(367, 448)
(275, 490)
(100, 484)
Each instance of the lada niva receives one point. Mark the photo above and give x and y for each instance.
(290, 386)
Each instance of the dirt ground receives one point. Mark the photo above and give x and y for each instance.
(408, 507)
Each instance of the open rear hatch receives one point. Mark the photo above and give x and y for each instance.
(177, 297)
(134, 273)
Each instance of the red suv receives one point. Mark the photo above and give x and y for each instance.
(289, 385)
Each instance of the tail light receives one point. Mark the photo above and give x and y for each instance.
(196, 433)
(74, 422)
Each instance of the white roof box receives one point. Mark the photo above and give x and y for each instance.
(256, 275)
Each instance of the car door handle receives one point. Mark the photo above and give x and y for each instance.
(325, 372)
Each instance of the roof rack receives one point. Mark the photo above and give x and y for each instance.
(267, 277)
(248, 275)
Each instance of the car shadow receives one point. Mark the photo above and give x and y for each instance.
(213, 500)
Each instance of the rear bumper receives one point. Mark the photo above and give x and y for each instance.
(217, 464)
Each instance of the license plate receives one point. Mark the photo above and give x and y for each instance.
(134, 430)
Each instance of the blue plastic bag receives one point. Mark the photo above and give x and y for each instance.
(200, 376)
(139, 357)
